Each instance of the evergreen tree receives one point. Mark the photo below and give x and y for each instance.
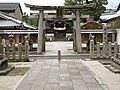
(25, 17)
(96, 11)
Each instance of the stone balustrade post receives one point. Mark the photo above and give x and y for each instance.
(7, 51)
(98, 50)
(19, 51)
(104, 50)
(115, 49)
(13, 52)
(91, 48)
(26, 57)
(1, 50)
(109, 49)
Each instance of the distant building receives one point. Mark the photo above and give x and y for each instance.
(11, 25)
(13, 9)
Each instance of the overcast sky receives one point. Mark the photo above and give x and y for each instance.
(111, 3)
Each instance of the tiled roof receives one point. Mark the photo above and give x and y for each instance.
(109, 17)
(10, 21)
(4, 23)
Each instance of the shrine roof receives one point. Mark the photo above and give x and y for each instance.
(92, 25)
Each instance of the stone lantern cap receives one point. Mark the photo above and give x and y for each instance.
(11, 36)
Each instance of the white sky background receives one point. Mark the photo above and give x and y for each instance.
(36, 2)
(111, 3)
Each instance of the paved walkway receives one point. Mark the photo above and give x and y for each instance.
(63, 75)
(53, 47)
(50, 74)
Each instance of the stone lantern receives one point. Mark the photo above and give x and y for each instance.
(11, 39)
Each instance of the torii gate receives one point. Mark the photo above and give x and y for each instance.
(77, 30)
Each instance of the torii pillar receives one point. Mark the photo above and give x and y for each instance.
(40, 32)
(78, 33)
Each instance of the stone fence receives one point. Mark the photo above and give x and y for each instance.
(103, 50)
(17, 53)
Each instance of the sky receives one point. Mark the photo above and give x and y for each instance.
(111, 3)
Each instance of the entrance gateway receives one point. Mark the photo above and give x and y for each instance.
(60, 24)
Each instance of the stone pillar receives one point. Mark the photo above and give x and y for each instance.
(19, 52)
(109, 49)
(74, 36)
(26, 57)
(98, 50)
(74, 40)
(40, 32)
(91, 48)
(105, 43)
(43, 47)
(78, 32)
(105, 34)
(43, 41)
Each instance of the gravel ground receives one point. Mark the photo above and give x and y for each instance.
(9, 81)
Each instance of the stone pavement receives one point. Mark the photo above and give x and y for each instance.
(67, 74)
(52, 48)
(111, 80)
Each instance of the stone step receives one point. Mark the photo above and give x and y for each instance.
(7, 69)
(118, 55)
(1, 56)
(3, 63)
(105, 61)
(115, 60)
(113, 69)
